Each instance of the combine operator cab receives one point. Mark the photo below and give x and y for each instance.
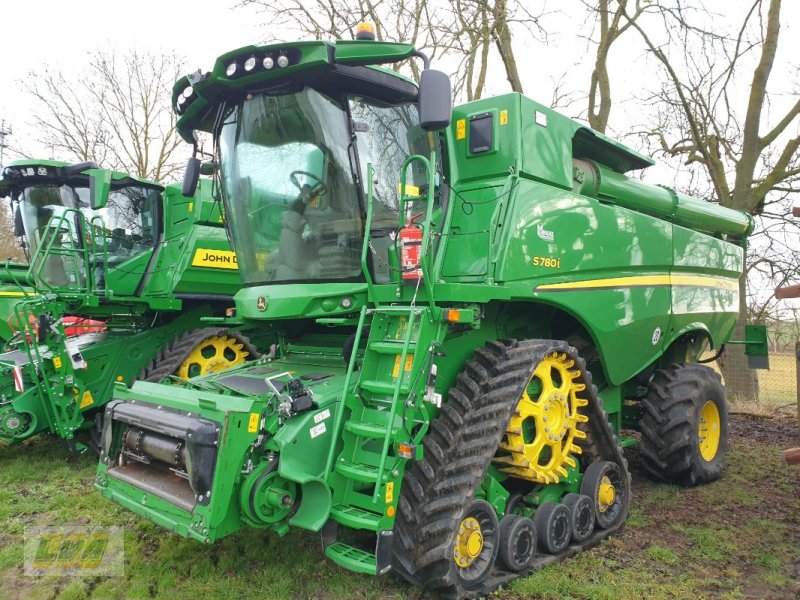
(75, 240)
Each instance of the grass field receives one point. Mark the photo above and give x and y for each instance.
(736, 538)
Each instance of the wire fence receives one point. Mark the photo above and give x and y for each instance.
(776, 388)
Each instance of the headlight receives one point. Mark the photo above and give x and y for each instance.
(283, 61)
(250, 64)
(187, 93)
(268, 62)
(230, 71)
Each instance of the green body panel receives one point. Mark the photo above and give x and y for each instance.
(10, 295)
(529, 229)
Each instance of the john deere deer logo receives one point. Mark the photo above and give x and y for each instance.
(261, 303)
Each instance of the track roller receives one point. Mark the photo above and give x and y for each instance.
(552, 523)
(517, 542)
(582, 519)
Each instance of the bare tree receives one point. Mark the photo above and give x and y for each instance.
(613, 18)
(747, 152)
(117, 113)
(464, 33)
(9, 249)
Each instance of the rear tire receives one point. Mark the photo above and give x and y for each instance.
(685, 426)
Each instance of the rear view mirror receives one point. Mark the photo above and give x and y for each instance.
(99, 187)
(435, 100)
(191, 176)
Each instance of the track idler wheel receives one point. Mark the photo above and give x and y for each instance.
(475, 544)
(518, 542)
(582, 519)
(553, 524)
(603, 483)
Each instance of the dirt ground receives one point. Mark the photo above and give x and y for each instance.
(774, 502)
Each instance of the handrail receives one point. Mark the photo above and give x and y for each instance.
(427, 225)
(351, 367)
(367, 241)
(395, 397)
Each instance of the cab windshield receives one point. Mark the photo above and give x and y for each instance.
(128, 226)
(290, 170)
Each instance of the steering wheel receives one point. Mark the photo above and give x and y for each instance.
(318, 189)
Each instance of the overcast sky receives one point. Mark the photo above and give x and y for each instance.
(58, 35)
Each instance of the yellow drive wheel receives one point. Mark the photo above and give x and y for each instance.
(539, 442)
(199, 352)
(217, 353)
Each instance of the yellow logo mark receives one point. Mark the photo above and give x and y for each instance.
(407, 367)
(215, 259)
(252, 425)
(57, 362)
(191, 206)
(503, 117)
(546, 261)
(461, 129)
(70, 551)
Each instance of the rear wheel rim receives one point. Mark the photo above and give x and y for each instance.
(709, 427)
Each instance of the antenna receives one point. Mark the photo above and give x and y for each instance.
(5, 130)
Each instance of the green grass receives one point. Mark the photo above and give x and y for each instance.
(735, 538)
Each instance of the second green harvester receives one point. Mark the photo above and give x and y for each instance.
(470, 304)
(122, 272)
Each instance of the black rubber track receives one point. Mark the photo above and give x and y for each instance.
(670, 446)
(458, 449)
(177, 350)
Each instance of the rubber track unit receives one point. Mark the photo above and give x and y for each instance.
(669, 448)
(177, 350)
(458, 450)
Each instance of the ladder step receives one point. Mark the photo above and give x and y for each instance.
(391, 347)
(352, 558)
(373, 423)
(357, 471)
(382, 387)
(355, 518)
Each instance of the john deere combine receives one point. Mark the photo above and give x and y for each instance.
(467, 316)
(124, 270)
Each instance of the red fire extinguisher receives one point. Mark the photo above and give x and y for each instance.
(411, 251)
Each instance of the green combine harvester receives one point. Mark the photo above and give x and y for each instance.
(122, 273)
(470, 305)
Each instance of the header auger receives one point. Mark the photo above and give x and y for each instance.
(467, 312)
(118, 285)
